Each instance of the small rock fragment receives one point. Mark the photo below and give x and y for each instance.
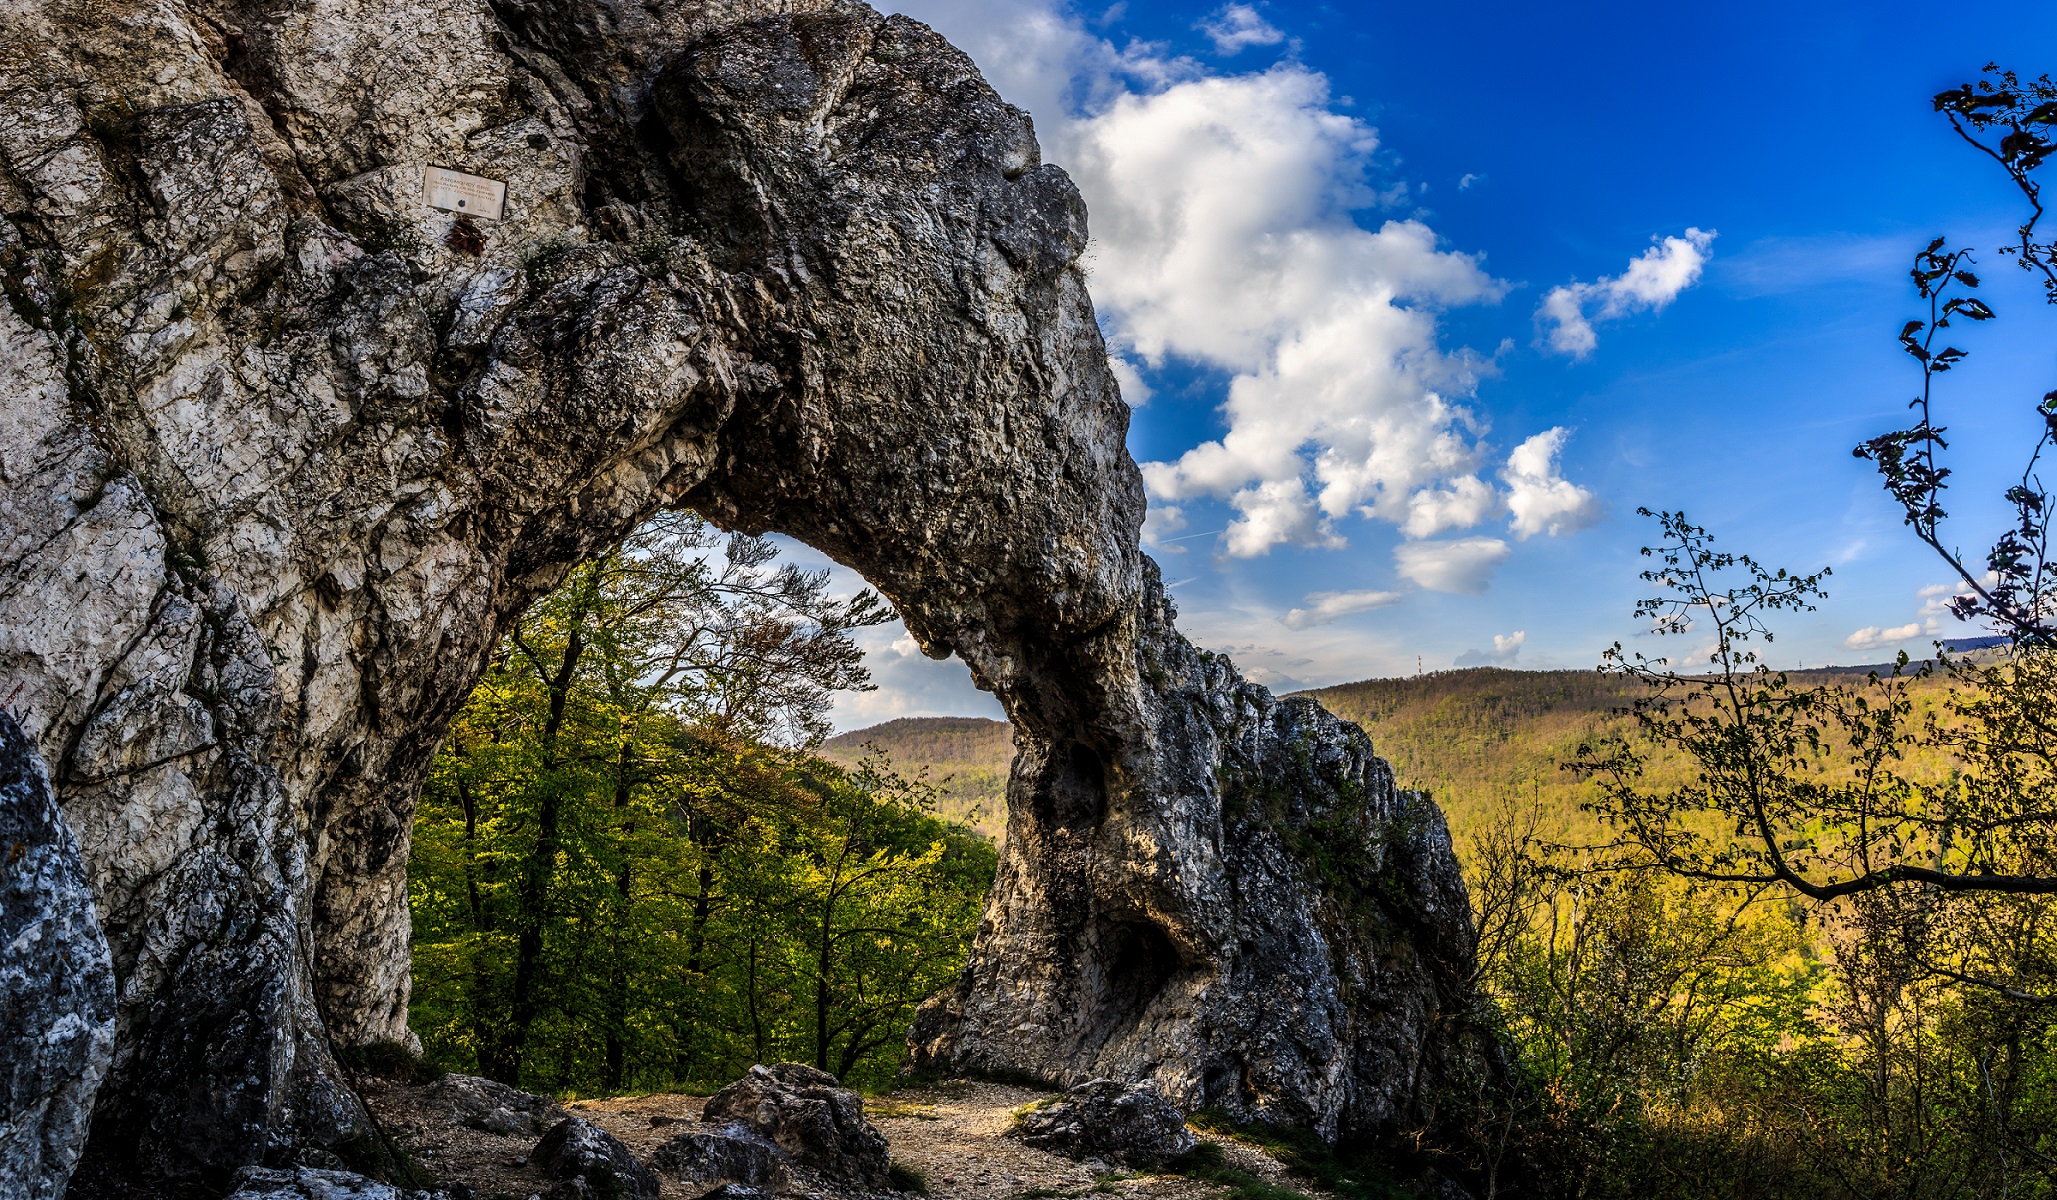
(589, 1161)
(314, 1183)
(493, 1107)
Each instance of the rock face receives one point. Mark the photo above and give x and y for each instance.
(286, 448)
(1103, 1118)
(56, 983)
(593, 1162)
(806, 1113)
(1284, 935)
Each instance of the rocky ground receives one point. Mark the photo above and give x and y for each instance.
(949, 1133)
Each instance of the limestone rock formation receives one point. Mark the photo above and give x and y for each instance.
(1284, 935)
(807, 1114)
(284, 448)
(1122, 1123)
(56, 983)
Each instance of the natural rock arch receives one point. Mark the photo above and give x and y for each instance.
(282, 452)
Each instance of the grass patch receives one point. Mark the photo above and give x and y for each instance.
(903, 1178)
(388, 1060)
(1301, 1153)
(1016, 1078)
(1208, 1164)
(1034, 1106)
(950, 1083)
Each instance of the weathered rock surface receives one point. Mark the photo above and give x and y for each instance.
(593, 1161)
(56, 982)
(733, 1151)
(315, 1183)
(1306, 960)
(285, 450)
(809, 1115)
(1103, 1118)
(493, 1107)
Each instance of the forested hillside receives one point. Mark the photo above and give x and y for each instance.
(966, 759)
(1480, 737)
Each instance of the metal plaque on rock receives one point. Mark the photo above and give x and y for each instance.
(473, 195)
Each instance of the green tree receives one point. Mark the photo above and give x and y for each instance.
(881, 916)
(620, 854)
(1914, 838)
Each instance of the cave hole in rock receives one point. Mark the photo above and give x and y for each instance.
(641, 862)
(1071, 793)
(1136, 962)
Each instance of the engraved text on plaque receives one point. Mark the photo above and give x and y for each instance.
(473, 195)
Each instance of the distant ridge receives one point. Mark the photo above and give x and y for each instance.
(968, 757)
(1473, 737)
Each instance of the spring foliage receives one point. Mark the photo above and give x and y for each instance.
(1800, 960)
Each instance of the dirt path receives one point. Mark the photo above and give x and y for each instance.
(950, 1133)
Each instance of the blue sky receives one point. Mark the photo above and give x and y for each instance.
(1418, 303)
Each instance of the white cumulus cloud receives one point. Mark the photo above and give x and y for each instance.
(1160, 521)
(1936, 613)
(1222, 208)
(1464, 565)
(1871, 637)
(1539, 498)
(1653, 280)
(1506, 649)
(1229, 231)
(1133, 389)
(1236, 27)
(1323, 607)
(1458, 504)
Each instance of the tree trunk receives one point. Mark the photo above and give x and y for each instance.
(821, 987)
(538, 875)
(483, 1027)
(696, 949)
(615, 1035)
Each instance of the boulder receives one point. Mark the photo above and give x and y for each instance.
(1123, 1123)
(735, 1191)
(56, 982)
(733, 1152)
(493, 1107)
(810, 1116)
(586, 1160)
